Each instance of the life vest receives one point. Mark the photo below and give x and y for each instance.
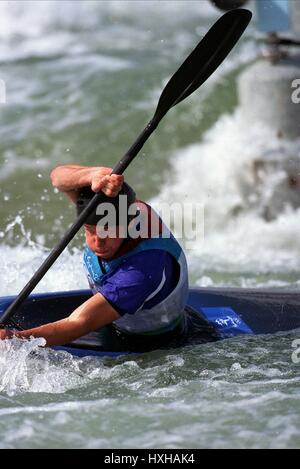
(166, 314)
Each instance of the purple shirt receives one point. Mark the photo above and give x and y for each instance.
(144, 279)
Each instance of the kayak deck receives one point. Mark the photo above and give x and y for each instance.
(230, 311)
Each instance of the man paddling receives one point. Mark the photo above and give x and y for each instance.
(139, 284)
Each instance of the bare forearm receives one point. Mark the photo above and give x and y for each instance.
(93, 314)
(72, 177)
(57, 333)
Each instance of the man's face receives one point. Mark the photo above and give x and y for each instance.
(104, 244)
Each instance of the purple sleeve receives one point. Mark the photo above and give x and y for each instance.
(128, 286)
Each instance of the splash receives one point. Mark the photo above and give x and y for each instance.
(14, 365)
(20, 263)
(25, 366)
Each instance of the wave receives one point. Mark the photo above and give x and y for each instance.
(243, 179)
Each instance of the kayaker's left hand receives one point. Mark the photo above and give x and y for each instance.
(5, 334)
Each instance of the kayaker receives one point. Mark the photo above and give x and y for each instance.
(140, 284)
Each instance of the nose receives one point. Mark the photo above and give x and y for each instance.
(100, 242)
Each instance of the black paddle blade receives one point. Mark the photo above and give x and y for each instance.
(204, 60)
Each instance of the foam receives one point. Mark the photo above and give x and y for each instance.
(220, 173)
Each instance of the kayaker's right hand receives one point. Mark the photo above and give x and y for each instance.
(5, 334)
(103, 180)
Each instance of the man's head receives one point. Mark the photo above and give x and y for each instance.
(106, 227)
(104, 246)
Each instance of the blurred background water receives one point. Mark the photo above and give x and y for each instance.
(82, 79)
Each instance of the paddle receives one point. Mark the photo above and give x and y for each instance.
(199, 65)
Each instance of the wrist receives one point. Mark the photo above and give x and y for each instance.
(8, 333)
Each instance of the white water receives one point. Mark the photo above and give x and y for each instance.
(33, 17)
(251, 216)
(45, 28)
(236, 393)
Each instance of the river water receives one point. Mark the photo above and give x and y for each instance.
(82, 79)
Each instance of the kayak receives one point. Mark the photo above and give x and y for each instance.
(228, 312)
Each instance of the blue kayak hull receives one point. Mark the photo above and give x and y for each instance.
(229, 312)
